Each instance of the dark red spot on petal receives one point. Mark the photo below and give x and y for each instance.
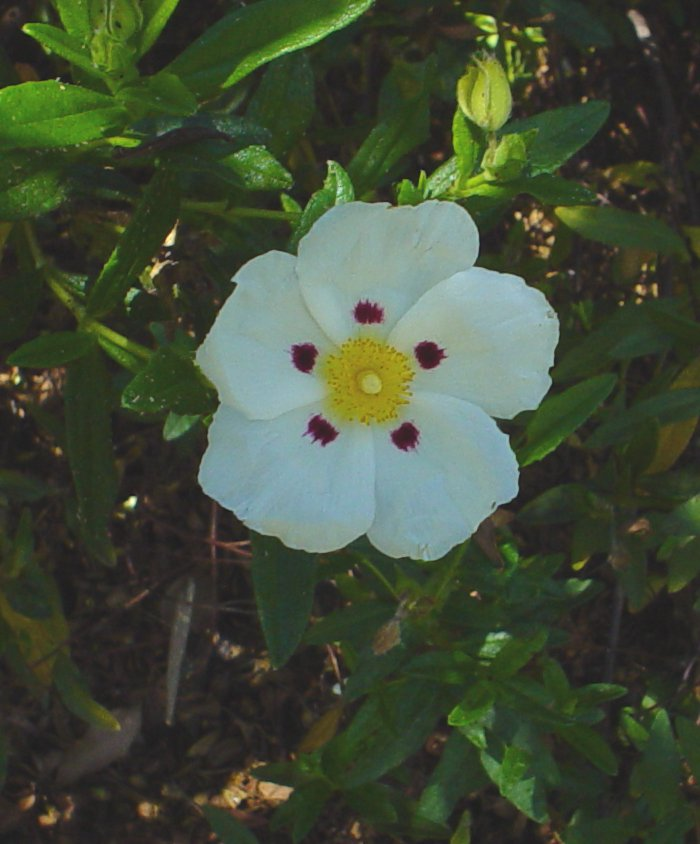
(368, 313)
(429, 354)
(320, 430)
(406, 436)
(304, 356)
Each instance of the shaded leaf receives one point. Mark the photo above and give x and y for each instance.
(591, 745)
(615, 227)
(54, 349)
(89, 445)
(75, 694)
(255, 34)
(403, 124)
(154, 217)
(284, 101)
(284, 581)
(226, 827)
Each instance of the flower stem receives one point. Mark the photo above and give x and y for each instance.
(380, 577)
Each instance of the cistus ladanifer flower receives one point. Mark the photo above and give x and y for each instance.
(358, 383)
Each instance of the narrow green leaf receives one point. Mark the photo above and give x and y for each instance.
(226, 827)
(671, 406)
(65, 45)
(154, 218)
(89, 445)
(658, 773)
(19, 296)
(457, 773)
(559, 416)
(156, 14)
(284, 100)
(21, 487)
(75, 17)
(685, 519)
(258, 33)
(337, 189)
(163, 92)
(55, 349)
(303, 808)
(591, 745)
(283, 580)
(257, 169)
(170, 381)
(560, 133)
(54, 114)
(554, 190)
(621, 228)
(76, 696)
(466, 143)
(403, 124)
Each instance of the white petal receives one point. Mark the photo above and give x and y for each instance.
(499, 336)
(371, 251)
(247, 353)
(282, 483)
(436, 495)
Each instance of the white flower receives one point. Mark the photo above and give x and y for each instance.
(358, 380)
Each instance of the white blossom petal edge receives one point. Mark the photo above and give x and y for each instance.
(358, 382)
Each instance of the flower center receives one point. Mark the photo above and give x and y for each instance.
(368, 380)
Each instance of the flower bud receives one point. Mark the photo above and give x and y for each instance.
(483, 93)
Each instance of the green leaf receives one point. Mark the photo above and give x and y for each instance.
(591, 745)
(256, 34)
(21, 487)
(226, 827)
(559, 416)
(554, 190)
(403, 123)
(283, 580)
(457, 773)
(466, 143)
(89, 446)
(75, 17)
(31, 183)
(19, 296)
(54, 114)
(76, 696)
(671, 406)
(303, 808)
(621, 228)
(391, 725)
(170, 381)
(284, 100)
(511, 769)
(65, 45)
(685, 519)
(156, 14)
(561, 132)
(257, 169)
(163, 92)
(689, 738)
(153, 219)
(658, 774)
(55, 349)
(337, 189)
(683, 564)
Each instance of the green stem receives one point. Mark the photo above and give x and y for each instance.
(380, 577)
(216, 209)
(131, 346)
(448, 575)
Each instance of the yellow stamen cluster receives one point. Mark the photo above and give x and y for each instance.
(367, 380)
